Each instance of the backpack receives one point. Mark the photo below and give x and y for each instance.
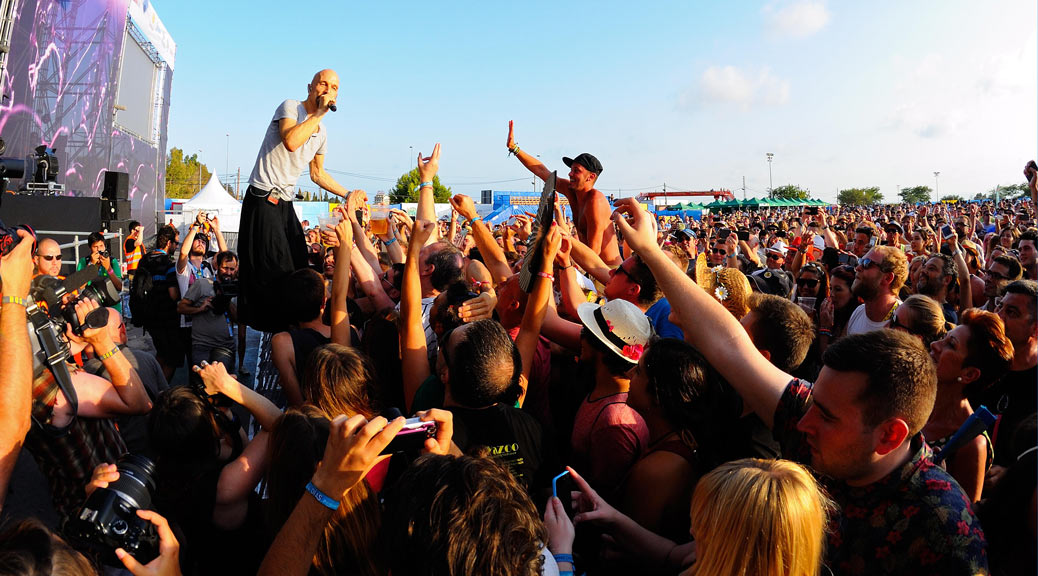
(147, 297)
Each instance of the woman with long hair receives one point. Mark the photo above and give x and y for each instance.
(968, 358)
(680, 397)
(836, 310)
(749, 516)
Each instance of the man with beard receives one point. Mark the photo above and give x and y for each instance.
(213, 311)
(936, 279)
(878, 278)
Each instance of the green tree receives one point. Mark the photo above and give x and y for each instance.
(915, 194)
(790, 192)
(859, 196)
(183, 174)
(1009, 192)
(406, 189)
(952, 198)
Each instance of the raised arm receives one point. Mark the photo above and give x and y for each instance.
(185, 247)
(536, 306)
(493, 255)
(414, 351)
(124, 393)
(221, 243)
(706, 323)
(533, 164)
(588, 260)
(353, 448)
(962, 272)
(427, 168)
(341, 283)
(16, 360)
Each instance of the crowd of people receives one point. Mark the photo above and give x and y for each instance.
(772, 391)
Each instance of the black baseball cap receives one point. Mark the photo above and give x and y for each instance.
(587, 161)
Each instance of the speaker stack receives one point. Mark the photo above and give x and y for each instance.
(115, 202)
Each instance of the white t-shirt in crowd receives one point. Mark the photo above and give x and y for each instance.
(860, 323)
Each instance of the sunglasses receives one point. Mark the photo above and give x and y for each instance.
(895, 323)
(772, 256)
(808, 282)
(719, 251)
(50, 257)
(866, 264)
(995, 275)
(622, 270)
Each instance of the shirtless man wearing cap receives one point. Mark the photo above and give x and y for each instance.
(591, 210)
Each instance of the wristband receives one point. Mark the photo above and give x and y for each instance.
(514, 149)
(424, 184)
(825, 332)
(23, 302)
(546, 275)
(109, 354)
(563, 558)
(325, 500)
(390, 241)
(474, 220)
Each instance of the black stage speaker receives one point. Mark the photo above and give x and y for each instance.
(487, 196)
(117, 186)
(118, 210)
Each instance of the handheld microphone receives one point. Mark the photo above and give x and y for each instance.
(975, 425)
(332, 107)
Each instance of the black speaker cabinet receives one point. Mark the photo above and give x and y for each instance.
(117, 186)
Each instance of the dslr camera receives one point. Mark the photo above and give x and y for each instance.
(108, 519)
(51, 292)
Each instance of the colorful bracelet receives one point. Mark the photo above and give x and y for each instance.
(514, 149)
(546, 275)
(390, 241)
(563, 558)
(23, 302)
(825, 332)
(474, 220)
(424, 184)
(325, 500)
(109, 354)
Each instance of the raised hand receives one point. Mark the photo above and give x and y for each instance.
(427, 167)
(217, 380)
(561, 532)
(344, 234)
(510, 143)
(478, 308)
(353, 447)
(825, 314)
(103, 475)
(639, 231)
(16, 267)
(422, 231)
(589, 505)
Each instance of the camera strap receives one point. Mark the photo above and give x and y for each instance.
(53, 355)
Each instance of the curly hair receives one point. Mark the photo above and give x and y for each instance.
(465, 515)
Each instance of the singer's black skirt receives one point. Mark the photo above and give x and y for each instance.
(271, 245)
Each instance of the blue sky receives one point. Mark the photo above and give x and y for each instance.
(691, 94)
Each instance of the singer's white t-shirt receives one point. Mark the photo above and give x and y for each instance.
(277, 169)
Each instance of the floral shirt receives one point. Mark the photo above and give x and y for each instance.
(915, 521)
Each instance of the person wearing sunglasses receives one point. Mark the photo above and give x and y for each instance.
(1002, 270)
(878, 278)
(48, 258)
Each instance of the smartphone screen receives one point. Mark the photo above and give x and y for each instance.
(723, 234)
(743, 235)
(946, 231)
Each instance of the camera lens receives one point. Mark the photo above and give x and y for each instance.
(135, 482)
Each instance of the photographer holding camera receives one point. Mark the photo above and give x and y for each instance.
(71, 434)
(211, 304)
(107, 267)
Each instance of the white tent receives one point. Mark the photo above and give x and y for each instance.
(214, 200)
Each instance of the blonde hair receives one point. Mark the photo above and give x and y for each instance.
(926, 320)
(728, 282)
(895, 262)
(762, 517)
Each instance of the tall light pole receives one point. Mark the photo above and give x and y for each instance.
(936, 186)
(199, 169)
(771, 185)
(411, 148)
(227, 156)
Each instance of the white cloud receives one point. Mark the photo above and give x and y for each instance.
(797, 19)
(729, 84)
